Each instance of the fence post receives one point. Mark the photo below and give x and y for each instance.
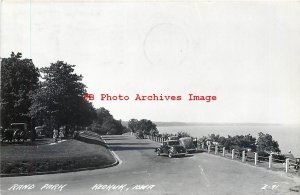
(232, 154)
(287, 162)
(216, 150)
(243, 156)
(255, 158)
(270, 161)
(208, 149)
(202, 146)
(223, 151)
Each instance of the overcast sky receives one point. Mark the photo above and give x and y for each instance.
(246, 54)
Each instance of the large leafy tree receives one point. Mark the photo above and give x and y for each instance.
(144, 125)
(265, 143)
(19, 79)
(59, 102)
(86, 114)
(103, 115)
(133, 125)
(106, 124)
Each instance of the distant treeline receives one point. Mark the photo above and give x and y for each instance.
(264, 142)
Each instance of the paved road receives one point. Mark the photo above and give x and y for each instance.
(199, 173)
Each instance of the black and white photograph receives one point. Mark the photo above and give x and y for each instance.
(150, 97)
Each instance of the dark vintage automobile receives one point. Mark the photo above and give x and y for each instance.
(187, 143)
(171, 148)
(17, 132)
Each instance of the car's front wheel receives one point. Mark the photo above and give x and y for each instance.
(158, 153)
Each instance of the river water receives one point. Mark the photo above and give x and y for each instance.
(288, 136)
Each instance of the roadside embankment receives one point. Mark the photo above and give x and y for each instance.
(91, 138)
(65, 156)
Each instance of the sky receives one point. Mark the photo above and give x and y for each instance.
(244, 53)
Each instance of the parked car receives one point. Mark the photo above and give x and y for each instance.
(17, 132)
(187, 143)
(171, 148)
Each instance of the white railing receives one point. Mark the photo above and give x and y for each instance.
(236, 155)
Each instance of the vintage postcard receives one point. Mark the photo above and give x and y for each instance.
(150, 97)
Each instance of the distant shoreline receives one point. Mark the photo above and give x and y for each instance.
(214, 124)
(175, 123)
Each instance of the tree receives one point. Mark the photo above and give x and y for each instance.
(113, 127)
(103, 115)
(106, 124)
(59, 101)
(248, 141)
(181, 134)
(166, 135)
(145, 126)
(19, 79)
(228, 143)
(133, 125)
(240, 142)
(265, 143)
(86, 114)
(222, 140)
(214, 138)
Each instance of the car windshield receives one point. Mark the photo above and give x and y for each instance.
(17, 126)
(173, 143)
(187, 141)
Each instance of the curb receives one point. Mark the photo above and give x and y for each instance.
(112, 152)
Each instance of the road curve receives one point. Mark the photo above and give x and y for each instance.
(139, 167)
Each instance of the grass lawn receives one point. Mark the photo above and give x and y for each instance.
(64, 156)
